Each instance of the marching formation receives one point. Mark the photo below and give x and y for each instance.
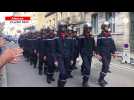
(57, 51)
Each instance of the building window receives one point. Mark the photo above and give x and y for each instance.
(94, 22)
(110, 17)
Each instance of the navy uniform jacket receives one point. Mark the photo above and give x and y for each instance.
(86, 45)
(20, 40)
(30, 44)
(24, 43)
(64, 47)
(38, 44)
(50, 47)
(105, 45)
(33, 43)
(42, 46)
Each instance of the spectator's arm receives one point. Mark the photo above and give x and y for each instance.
(10, 55)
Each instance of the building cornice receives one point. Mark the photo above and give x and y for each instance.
(49, 13)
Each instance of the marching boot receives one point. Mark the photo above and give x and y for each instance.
(109, 71)
(61, 83)
(40, 72)
(85, 84)
(74, 68)
(85, 81)
(101, 80)
(52, 78)
(69, 75)
(48, 79)
(34, 66)
(45, 70)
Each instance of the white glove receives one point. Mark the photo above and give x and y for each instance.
(44, 57)
(71, 62)
(99, 57)
(56, 63)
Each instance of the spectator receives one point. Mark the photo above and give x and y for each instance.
(10, 56)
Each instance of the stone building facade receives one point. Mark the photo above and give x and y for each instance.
(122, 24)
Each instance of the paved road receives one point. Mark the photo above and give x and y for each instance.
(23, 75)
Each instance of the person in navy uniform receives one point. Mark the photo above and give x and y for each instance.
(20, 42)
(35, 47)
(30, 41)
(76, 48)
(41, 52)
(27, 46)
(50, 46)
(69, 35)
(64, 52)
(86, 48)
(105, 48)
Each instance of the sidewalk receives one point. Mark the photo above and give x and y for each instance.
(3, 77)
(132, 55)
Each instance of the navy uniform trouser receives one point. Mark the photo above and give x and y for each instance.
(74, 60)
(64, 67)
(106, 59)
(27, 54)
(24, 52)
(50, 64)
(86, 66)
(42, 62)
(34, 58)
(31, 56)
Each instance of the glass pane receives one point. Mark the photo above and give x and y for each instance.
(95, 23)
